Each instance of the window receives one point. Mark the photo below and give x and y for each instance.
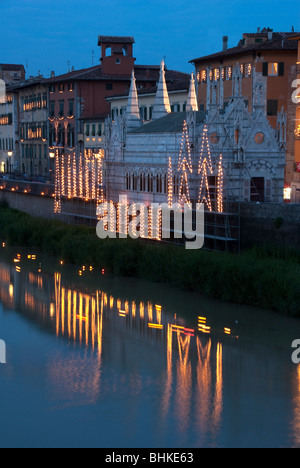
(175, 108)
(61, 135)
(216, 74)
(143, 113)
(61, 88)
(272, 107)
(93, 133)
(228, 73)
(44, 101)
(87, 130)
(52, 89)
(71, 138)
(52, 108)
(109, 86)
(248, 70)
(71, 86)
(257, 189)
(71, 107)
(61, 108)
(273, 69)
(203, 76)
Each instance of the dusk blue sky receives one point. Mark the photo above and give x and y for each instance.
(45, 35)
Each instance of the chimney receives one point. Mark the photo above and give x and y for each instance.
(270, 35)
(52, 75)
(225, 43)
(258, 30)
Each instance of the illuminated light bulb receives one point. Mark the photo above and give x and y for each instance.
(170, 183)
(87, 177)
(62, 175)
(74, 176)
(69, 176)
(93, 179)
(80, 177)
(57, 192)
(220, 186)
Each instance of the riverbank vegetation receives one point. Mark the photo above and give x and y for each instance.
(266, 277)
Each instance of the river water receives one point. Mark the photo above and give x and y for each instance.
(97, 361)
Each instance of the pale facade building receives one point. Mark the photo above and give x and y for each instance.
(209, 156)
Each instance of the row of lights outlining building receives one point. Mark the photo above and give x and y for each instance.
(68, 112)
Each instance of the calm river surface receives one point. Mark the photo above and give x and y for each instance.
(95, 361)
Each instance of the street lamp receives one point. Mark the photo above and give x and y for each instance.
(51, 170)
(10, 155)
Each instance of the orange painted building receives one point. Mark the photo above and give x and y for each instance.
(266, 59)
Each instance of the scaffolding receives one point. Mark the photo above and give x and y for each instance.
(84, 182)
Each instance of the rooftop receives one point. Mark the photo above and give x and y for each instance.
(11, 67)
(171, 123)
(273, 41)
(147, 73)
(116, 40)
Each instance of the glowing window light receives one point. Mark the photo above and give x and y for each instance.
(133, 309)
(227, 331)
(287, 193)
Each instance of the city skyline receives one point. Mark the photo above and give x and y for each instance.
(43, 40)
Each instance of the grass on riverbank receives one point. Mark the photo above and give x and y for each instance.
(264, 277)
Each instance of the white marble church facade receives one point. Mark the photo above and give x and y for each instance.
(195, 155)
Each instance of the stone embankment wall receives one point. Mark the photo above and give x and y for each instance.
(267, 223)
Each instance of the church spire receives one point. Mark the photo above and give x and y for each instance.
(162, 103)
(132, 111)
(192, 104)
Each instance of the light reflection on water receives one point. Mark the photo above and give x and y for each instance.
(130, 371)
